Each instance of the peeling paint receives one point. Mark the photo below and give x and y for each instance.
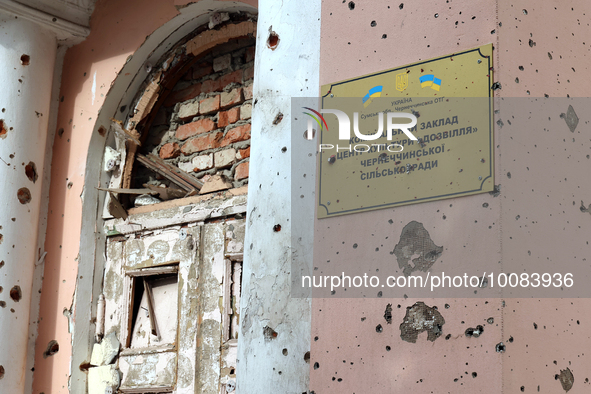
(419, 318)
(566, 379)
(416, 241)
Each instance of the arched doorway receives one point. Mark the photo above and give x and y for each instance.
(188, 245)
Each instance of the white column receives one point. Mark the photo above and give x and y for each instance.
(28, 54)
(289, 70)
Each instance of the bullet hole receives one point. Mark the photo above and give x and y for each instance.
(273, 40)
(284, 352)
(3, 130)
(446, 306)
(495, 191)
(535, 326)
(354, 246)
(509, 175)
(436, 15)
(379, 328)
(522, 389)
(269, 333)
(474, 374)
(490, 320)
(520, 68)
(25, 60)
(373, 23)
(16, 294)
(496, 86)
(511, 339)
(277, 228)
(493, 31)
(401, 6)
(351, 5)
(390, 221)
(500, 348)
(447, 337)
(308, 137)
(388, 348)
(31, 172)
(85, 366)
(384, 36)
(70, 184)
(415, 240)
(52, 348)
(388, 314)
(419, 318)
(102, 131)
(474, 332)
(332, 159)
(60, 132)
(2, 372)
(532, 43)
(3, 304)
(516, 80)
(278, 119)
(2, 263)
(316, 365)
(284, 149)
(307, 357)
(315, 338)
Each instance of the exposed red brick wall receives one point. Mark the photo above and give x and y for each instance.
(204, 125)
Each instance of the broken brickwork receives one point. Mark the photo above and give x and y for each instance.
(203, 126)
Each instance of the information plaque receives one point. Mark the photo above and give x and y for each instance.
(450, 98)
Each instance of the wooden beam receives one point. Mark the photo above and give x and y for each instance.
(173, 174)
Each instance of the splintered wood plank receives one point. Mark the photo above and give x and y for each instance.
(118, 128)
(151, 310)
(115, 208)
(173, 174)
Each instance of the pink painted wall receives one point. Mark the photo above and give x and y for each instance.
(118, 28)
(551, 227)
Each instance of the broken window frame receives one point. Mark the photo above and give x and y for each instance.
(130, 281)
(232, 293)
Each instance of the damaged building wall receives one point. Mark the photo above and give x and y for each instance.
(522, 345)
(94, 89)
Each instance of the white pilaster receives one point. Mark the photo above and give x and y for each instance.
(25, 93)
(291, 69)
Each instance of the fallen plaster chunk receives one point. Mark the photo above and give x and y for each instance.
(105, 352)
(101, 379)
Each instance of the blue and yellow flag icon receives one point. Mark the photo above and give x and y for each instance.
(430, 80)
(376, 91)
